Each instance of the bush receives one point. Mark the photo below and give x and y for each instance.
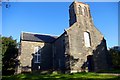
(115, 56)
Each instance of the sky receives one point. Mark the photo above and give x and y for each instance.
(119, 24)
(53, 17)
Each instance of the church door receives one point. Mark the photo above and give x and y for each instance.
(90, 63)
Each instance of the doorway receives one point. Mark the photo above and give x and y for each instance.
(90, 63)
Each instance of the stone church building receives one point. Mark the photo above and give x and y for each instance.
(80, 48)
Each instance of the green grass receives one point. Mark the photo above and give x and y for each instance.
(75, 76)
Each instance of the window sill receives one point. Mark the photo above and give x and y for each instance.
(36, 62)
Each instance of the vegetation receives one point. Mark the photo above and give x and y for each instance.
(78, 76)
(0, 57)
(9, 55)
(115, 57)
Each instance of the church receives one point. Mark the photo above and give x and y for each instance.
(80, 48)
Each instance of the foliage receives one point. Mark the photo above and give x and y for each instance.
(0, 56)
(74, 76)
(115, 55)
(9, 55)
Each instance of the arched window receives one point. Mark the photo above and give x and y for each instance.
(85, 11)
(87, 40)
(80, 9)
(37, 54)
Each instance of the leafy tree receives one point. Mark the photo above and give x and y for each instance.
(9, 55)
(115, 55)
(0, 56)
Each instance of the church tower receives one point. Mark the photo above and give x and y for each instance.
(78, 10)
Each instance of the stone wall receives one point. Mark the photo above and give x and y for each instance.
(27, 53)
(71, 51)
(80, 52)
(82, 57)
(59, 53)
(47, 57)
(27, 50)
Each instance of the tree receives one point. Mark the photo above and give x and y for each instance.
(115, 56)
(0, 56)
(9, 55)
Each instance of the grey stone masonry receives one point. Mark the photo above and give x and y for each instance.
(90, 58)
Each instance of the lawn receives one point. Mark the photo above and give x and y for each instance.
(75, 76)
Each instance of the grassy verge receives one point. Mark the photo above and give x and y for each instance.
(75, 76)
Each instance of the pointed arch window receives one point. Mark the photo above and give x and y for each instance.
(80, 9)
(87, 40)
(85, 11)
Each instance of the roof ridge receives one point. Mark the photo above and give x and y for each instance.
(40, 34)
(28, 36)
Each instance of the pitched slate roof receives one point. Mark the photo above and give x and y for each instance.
(37, 37)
